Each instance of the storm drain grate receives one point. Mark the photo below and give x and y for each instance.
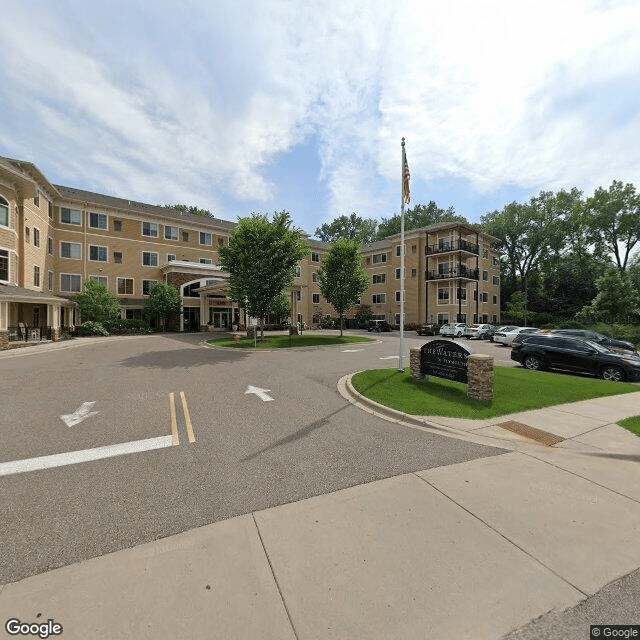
(542, 437)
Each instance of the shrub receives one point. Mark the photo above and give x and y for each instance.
(125, 326)
(91, 328)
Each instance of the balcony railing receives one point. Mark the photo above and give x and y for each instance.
(23, 333)
(460, 272)
(456, 245)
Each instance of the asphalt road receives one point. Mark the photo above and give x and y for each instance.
(249, 454)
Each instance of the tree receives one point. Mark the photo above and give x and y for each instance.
(616, 299)
(353, 226)
(193, 210)
(613, 218)
(417, 217)
(164, 301)
(280, 308)
(260, 258)
(342, 278)
(97, 303)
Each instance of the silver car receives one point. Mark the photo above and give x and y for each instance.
(507, 337)
(478, 331)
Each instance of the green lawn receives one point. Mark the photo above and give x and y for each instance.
(632, 424)
(284, 342)
(515, 389)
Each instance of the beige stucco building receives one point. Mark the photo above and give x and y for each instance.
(54, 238)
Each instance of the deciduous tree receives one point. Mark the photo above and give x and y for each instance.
(97, 303)
(418, 216)
(164, 301)
(353, 226)
(342, 278)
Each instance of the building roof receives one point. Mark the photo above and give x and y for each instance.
(12, 293)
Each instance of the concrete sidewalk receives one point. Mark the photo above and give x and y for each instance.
(472, 550)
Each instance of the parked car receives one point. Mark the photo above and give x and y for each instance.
(506, 327)
(379, 325)
(454, 330)
(549, 351)
(599, 338)
(428, 330)
(507, 337)
(479, 331)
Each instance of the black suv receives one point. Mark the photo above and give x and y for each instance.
(594, 336)
(552, 351)
(379, 325)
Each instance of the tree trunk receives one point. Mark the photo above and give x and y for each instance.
(341, 324)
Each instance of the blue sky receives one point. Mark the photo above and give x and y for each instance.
(263, 105)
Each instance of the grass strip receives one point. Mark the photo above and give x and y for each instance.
(514, 390)
(284, 342)
(631, 424)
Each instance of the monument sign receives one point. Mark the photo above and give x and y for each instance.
(444, 359)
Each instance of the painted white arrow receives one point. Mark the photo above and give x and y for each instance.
(351, 350)
(261, 393)
(81, 413)
(389, 357)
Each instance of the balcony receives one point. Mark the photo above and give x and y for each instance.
(462, 272)
(456, 245)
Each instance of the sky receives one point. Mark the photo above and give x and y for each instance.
(241, 106)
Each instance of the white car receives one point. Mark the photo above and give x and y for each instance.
(507, 337)
(454, 330)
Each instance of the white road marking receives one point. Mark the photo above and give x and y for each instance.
(351, 350)
(261, 393)
(81, 413)
(85, 455)
(389, 357)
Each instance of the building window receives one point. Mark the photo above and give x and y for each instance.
(101, 280)
(98, 254)
(117, 257)
(399, 251)
(69, 282)
(315, 298)
(149, 259)
(36, 200)
(496, 280)
(36, 276)
(495, 299)
(398, 273)
(206, 261)
(398, 296)
(50, 282)
(36, 237)
(379, 257)
(170, 233)
(379, 298)
(205, 238)
(444, 244)
(314, 277)
(485, 275)
(98, 220)
(70, 216)
(27, 234)
(414, 249)
(71, 250)
(461, 293)
(147, 285)
(296, 271)
(221, 242)
(379, 278)
(50, 245)
(117, 225)
(443, 268)
(51, 209)
(315, 257)
(495, 261)
(443, 295)
(443, 318)
(4, 265)
(4, 212)
(150, 229)
(171, 257)
(185, 236)
(298, 295)
(125, 286)
(414, 273)
(485, 297)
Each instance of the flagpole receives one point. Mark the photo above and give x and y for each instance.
(402, 191)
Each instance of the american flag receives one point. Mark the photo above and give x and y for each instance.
(406, 195)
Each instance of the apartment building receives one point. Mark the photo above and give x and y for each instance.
(54, 238)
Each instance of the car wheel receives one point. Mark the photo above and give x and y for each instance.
(533, 363)
(612, 372)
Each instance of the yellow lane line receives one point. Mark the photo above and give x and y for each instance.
(175, 440)
(187, 418)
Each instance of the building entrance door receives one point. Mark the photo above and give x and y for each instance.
(191, 318)
(220, 317)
